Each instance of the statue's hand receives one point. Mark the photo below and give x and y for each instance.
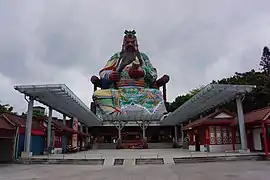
(114, 76)
(136, 73)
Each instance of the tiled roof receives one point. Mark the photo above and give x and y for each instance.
(60, 125)
(17, 120)
(209, 119)
(21, 121)
(257, 115)
(4, 124)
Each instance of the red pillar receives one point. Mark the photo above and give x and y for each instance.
(265, 139)
(207, 136)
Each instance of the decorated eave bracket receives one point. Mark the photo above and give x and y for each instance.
(119, 124)
(143, 124)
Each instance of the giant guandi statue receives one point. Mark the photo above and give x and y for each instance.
(129, 83)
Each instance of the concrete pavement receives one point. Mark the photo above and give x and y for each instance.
(250, 170)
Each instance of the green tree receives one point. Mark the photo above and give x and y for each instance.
(265, 60)
(258, 98)
(6, 108)
(196, 90)
(182, 99)
(36, 113)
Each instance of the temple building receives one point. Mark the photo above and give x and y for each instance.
(212, 133)
(218, 131)
(128, 110)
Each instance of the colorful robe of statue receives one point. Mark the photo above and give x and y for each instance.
(130, 95)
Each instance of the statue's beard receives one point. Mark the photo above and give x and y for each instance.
(130, 48)
(128, 56)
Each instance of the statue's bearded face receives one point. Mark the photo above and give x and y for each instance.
(130, 42)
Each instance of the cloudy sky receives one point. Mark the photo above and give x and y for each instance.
(67, 41)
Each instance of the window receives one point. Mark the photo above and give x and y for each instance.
(220, 135)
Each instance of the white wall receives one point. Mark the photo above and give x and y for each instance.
(237, 146)
(257, 138)
(191, 148)
(202, 148)
(213, 148)
(57, 151)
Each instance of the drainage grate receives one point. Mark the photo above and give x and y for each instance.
(192, 160)
(142, 161)
(118, 162)
(217, 159)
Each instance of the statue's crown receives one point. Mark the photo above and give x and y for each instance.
(131, 34)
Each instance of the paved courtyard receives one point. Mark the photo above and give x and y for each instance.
(129, 155)
(245, 170)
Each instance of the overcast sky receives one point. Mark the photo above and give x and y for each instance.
(67, 41)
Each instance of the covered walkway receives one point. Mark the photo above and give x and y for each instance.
(208, 98)
(60, 98)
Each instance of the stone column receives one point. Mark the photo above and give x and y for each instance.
(28, 128)
(64, 138)
(241, 123)
(175, 134)
(143, 126)
(64, 119)
(182, 133)
(143, 129)
(81, 128)
(119, 133)
(88, 137)
(49, 131)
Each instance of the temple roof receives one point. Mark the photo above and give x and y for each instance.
(217, 118)
(209, 97)
(63, 127)
(4, 124)
(15, 119)
(257, 116)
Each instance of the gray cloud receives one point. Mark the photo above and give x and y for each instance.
(68, 41)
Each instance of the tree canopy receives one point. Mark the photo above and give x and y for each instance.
(36, 113)
(265, 60)
(182, 99)
(6, 108)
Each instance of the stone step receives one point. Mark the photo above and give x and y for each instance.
(142, 161)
